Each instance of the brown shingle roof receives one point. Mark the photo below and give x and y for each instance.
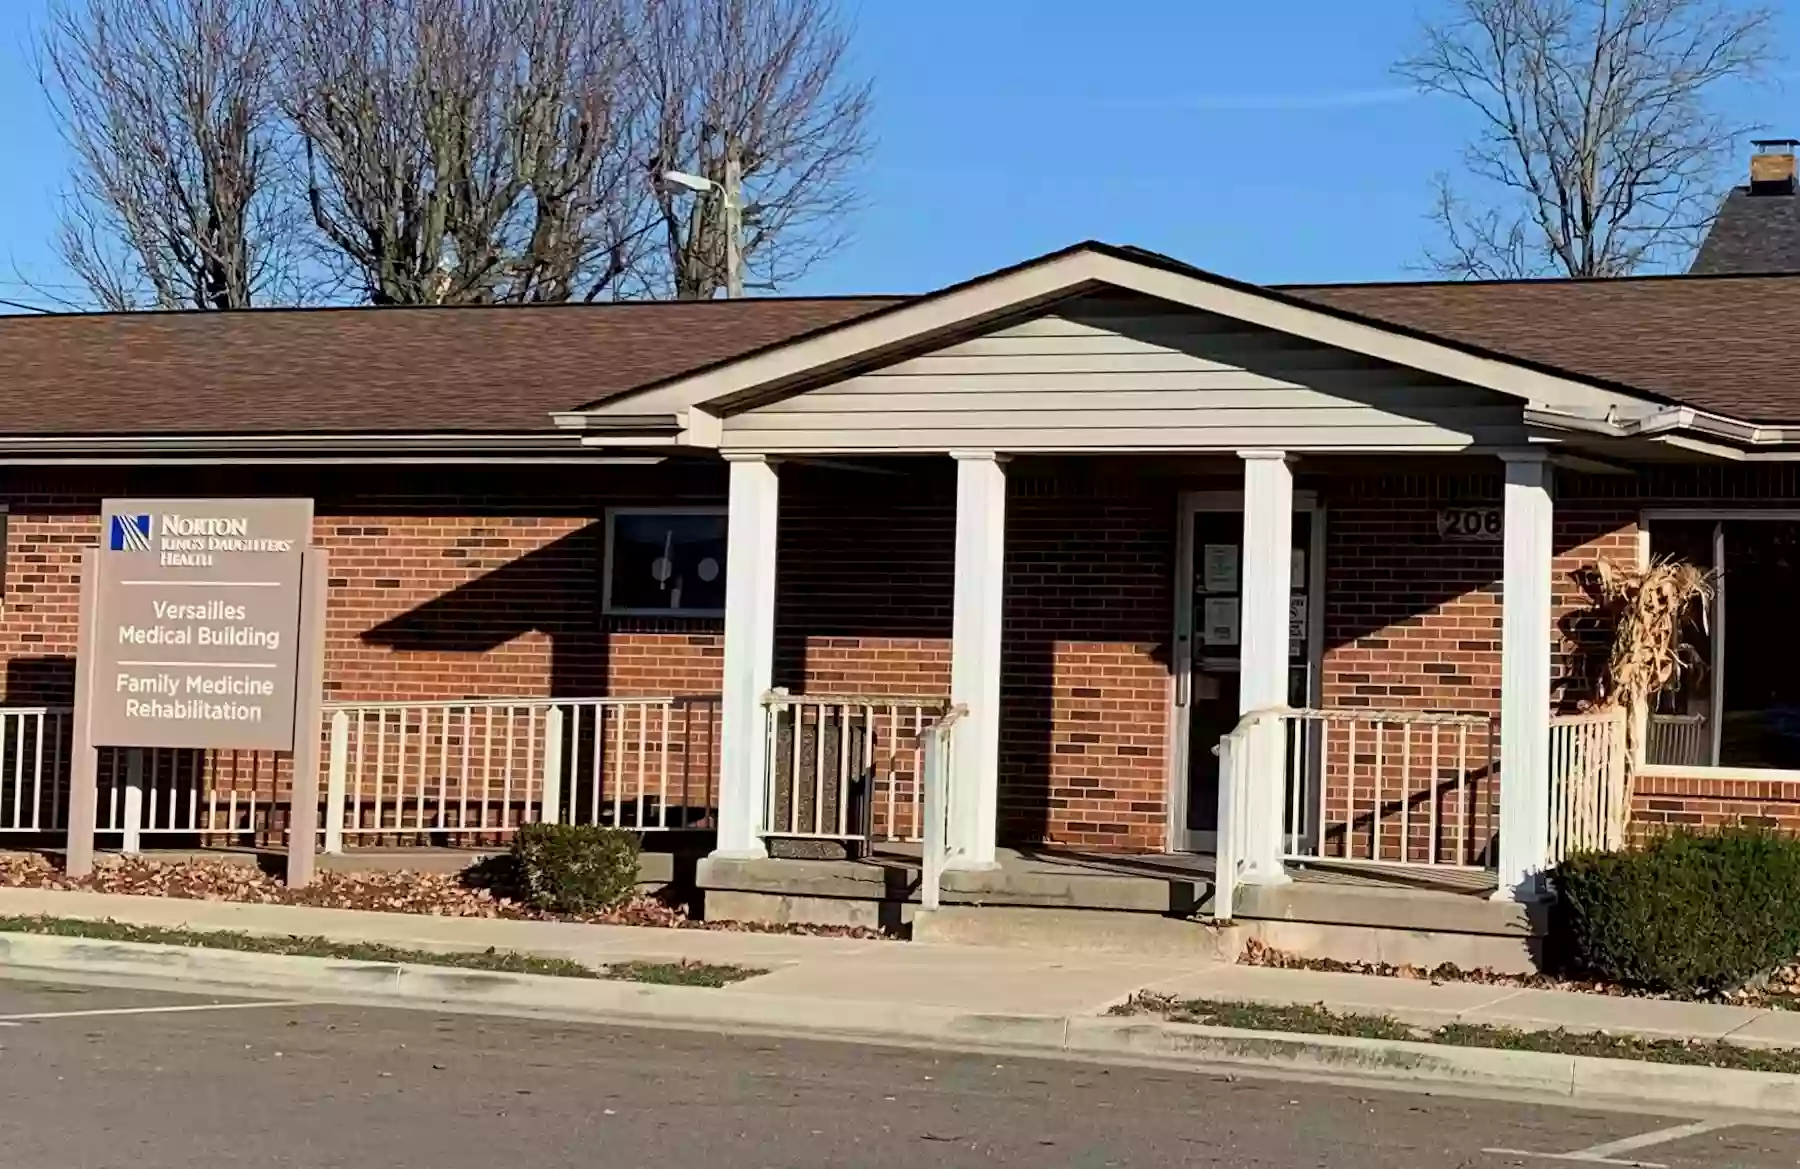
(477, 370)
(1728, 344)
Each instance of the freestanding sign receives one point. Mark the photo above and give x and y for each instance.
(202, 626)
(197, 623)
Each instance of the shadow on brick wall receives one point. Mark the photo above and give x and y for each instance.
(865, 572)
(553, 590)
(48, 680)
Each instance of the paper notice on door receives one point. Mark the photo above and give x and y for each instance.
(1219, 568)
(1220, 621)
(1296, 625)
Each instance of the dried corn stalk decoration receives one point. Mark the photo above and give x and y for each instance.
(1652, 611)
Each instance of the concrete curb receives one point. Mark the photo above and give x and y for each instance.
(191, 969)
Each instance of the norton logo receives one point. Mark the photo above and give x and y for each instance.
(130, 533)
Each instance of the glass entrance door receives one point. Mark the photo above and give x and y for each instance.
(1207, 640)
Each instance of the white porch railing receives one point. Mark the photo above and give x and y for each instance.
(472, 771)
(1392, 787)
(451, 772)
(935, 806)
(1233, 753)
(34, 753)
(1587, 783)
(846, 767)
(1682, 740)
(163, 791)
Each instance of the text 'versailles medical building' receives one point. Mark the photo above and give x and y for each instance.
(197, 619)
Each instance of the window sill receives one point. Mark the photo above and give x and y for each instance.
(1705, 771)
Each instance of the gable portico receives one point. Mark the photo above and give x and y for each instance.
(1095, 355)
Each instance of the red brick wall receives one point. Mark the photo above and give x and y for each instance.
(1662, 803)
(1089, 611)
(456, 584)
(866, 574)
(1412, 622)
(487, 587)
(452, 582)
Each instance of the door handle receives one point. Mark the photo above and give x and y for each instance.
(1184, 671)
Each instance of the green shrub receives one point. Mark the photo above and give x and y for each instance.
(575, 868)
(1685, 913)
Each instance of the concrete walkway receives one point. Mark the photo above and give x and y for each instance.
(899, 975)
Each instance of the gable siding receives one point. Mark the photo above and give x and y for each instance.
(1131, 374)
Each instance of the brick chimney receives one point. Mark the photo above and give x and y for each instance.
(1772, 166)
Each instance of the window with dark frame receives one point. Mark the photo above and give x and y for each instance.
(667, 562)
(1740, 707)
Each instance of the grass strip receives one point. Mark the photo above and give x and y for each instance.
(501, 961)
(1318, 1020)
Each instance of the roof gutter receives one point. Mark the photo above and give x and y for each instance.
(299, 447)
(1668, 421)
(576, 420)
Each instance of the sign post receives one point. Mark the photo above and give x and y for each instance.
(303, 805)
(84, 780)
(202, 628)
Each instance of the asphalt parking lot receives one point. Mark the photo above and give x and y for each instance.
(98, 1077)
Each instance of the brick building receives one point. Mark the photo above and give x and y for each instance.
(1102, 505)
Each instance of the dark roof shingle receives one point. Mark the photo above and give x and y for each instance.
(1727, 344)
(345, 371)
(1753, 233)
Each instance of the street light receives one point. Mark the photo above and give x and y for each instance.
(731, 210)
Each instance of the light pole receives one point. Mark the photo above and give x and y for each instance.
(731, 211)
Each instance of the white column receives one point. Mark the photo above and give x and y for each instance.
(1525, 678)
(749, 656)
(1267, 566)
(974, 798)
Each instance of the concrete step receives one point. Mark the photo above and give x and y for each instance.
(1067, 888)
(1088, 931)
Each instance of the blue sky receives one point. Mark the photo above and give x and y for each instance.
(1267, 141)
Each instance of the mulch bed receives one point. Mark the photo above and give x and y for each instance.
(1781, 990)
(434, 894)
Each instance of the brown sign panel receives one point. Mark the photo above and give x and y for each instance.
(196, 623)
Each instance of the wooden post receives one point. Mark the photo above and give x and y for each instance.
(309, 687)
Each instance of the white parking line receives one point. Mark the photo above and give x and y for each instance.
(1607, 1154)
(36, 1016)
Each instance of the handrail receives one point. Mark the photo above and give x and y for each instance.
(1369, 714)
(337, 704)
(1585, 717)
(934, 805)
(781, 696)
(1360, 714)
(951, 717)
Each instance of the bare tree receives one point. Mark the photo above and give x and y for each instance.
(578, 155)
(763, 83)
(1599, 148)
(464, 150)
(446, 151)
(168, 109)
